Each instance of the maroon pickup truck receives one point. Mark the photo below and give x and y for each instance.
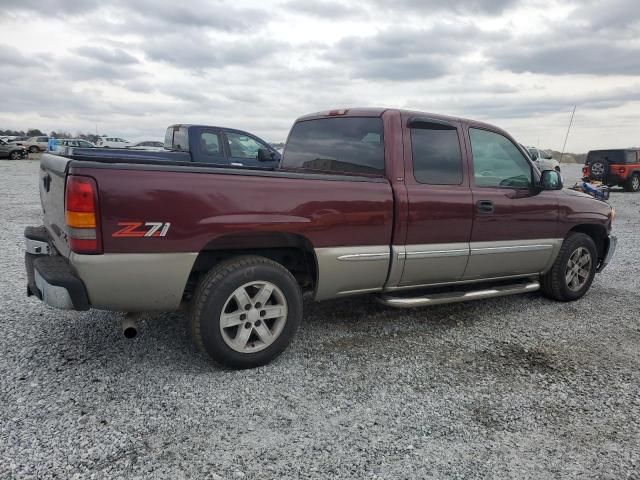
(414, 208)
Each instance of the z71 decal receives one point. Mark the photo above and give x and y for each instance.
(142, 229)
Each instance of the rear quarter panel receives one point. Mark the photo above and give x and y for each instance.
(202, 207)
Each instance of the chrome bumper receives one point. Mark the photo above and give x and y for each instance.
(610, 251)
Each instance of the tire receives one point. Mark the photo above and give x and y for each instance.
(555, 282)
(599, 170)
(15, 155)
(218, 298)
(34, 149)
(633, 184)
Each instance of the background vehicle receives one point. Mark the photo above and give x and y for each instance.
(12, 151)
(543, 159)
(75, 142)
(113, 142)
(36, 144)
(148, 145)
(14, 139)
(366, 201)
(63, 144)
(615, 167)
(199, 144)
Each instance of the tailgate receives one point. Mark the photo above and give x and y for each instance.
(53, 171)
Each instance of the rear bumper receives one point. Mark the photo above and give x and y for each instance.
(49, 276)
(610, 250)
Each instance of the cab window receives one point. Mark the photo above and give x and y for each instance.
(210, 146)
(497, 162)
(337, 145)
(436, 155)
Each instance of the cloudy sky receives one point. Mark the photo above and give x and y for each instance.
(132, 67)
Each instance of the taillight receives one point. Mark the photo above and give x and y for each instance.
(81, 215)
(585, 171)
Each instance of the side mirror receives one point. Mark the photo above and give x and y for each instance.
(265, 155)
(550, 180)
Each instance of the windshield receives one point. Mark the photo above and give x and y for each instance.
(611, 156)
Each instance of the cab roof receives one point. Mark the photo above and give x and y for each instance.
(380, 111)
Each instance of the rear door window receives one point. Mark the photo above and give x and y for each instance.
(436, 155)
(210, 147)
(340, 145)
(632, 157)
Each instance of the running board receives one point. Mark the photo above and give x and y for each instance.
(458, 296)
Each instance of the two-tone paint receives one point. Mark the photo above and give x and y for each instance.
(367, 234)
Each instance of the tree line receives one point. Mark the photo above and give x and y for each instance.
(35, 132)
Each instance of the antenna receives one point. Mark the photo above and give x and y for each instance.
(567, 136)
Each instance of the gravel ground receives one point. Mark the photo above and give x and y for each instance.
(515, 387)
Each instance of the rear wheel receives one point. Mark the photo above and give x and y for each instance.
(572, 273)
(633, 184)
(246, 311)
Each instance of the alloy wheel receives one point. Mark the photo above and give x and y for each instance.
(578, 269)
(253, 317)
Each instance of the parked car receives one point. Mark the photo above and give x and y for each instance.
(75, 142)
(36, 144)
(615, 167)
(543, 159)
(113, 142)
(201, 144)
(148, 146)
(13, 138)
(12, 151)
(417, 209)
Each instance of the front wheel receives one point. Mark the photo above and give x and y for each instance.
(574, 269)
(633, 184)
(246, 311)
(15, 155)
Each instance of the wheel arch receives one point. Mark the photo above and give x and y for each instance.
(293, 251)
(597, 232)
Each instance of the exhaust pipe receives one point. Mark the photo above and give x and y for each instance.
(129, 325)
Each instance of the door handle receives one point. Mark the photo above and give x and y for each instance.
(484, 206)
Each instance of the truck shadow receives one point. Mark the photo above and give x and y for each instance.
(95, 338)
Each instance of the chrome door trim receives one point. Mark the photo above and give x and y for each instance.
(359, 257)
(507, 246)
(436, 253)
